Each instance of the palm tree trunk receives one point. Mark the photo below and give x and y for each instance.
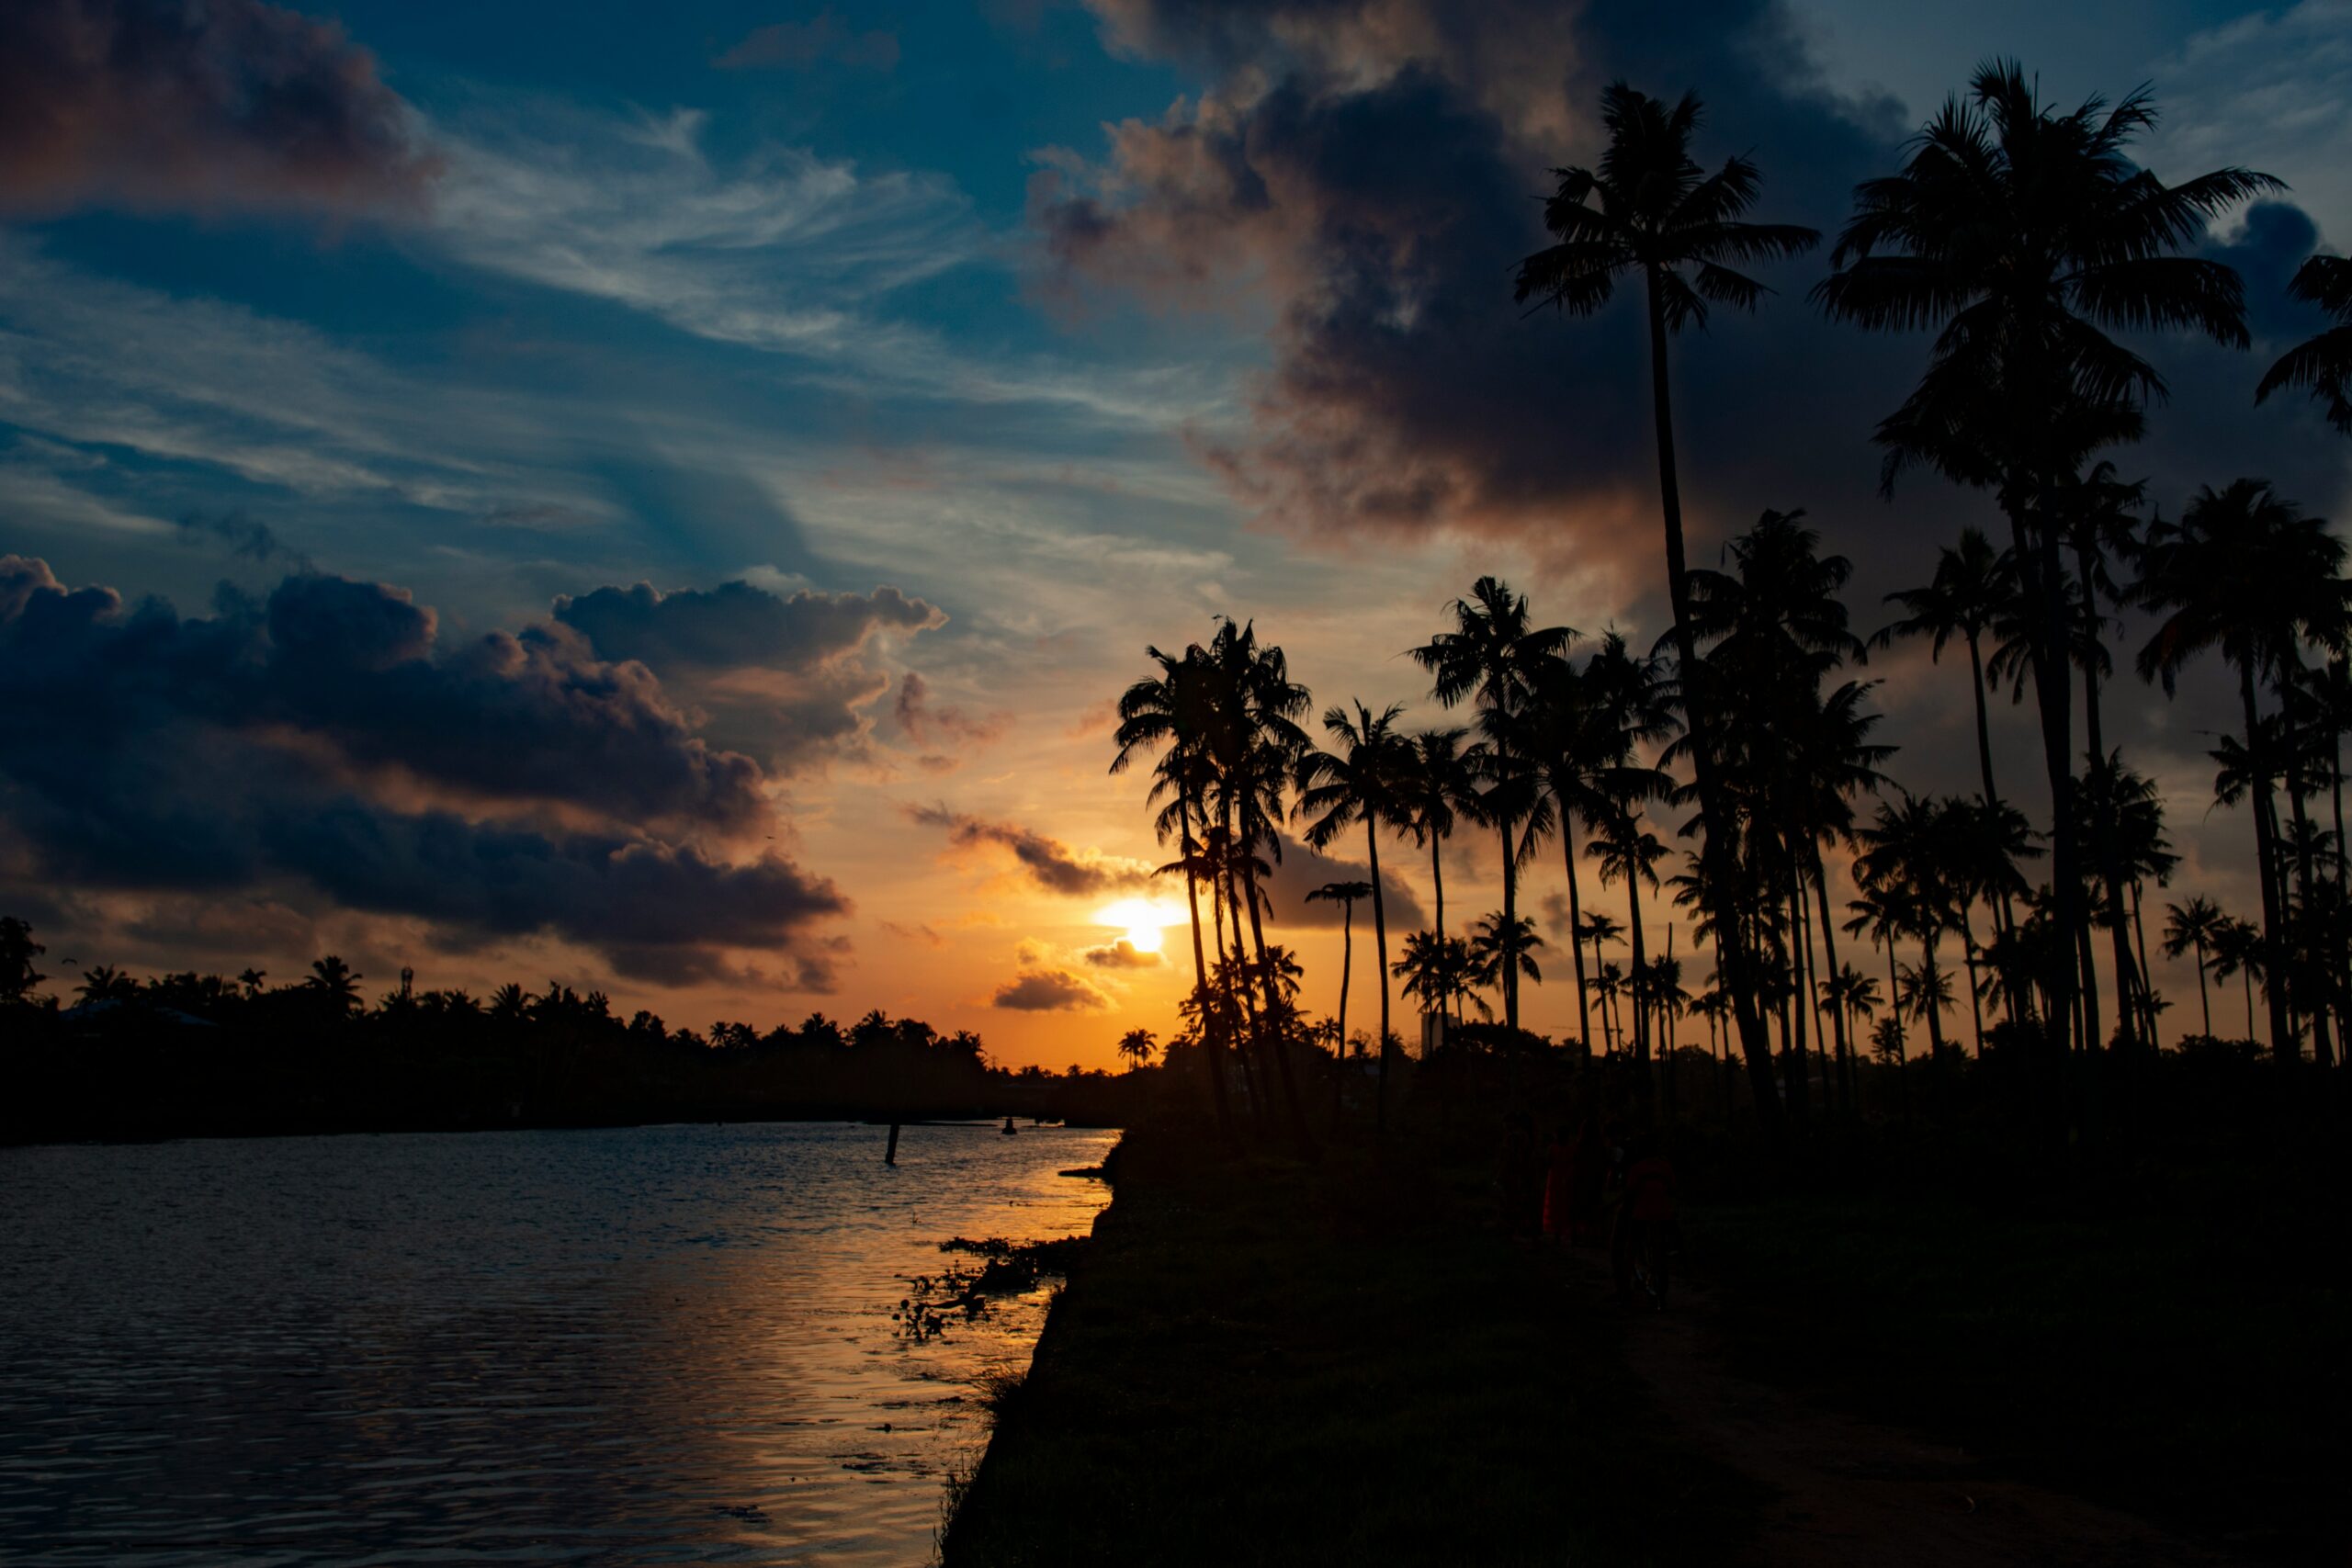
(1510, 915)
(2282, 1038)
(2204, 1006)
(1634, 928)
(1211, 1049)
(2005, 918)
(2127, 986)
(1243, 1010)
(1800, 1002)
(1575, 917)
(2322, 1052)
(1277, 1040)
(1347, 971)
(1380, 940)
(1829, 953)
(2147, 986)
(1718, 874)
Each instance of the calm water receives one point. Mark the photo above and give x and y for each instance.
(642, 1345)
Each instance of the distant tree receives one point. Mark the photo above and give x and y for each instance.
(2189, 926)
(251, 980)
(1137, 1046)
(17, 950)
(1346, 894)
(336, 983)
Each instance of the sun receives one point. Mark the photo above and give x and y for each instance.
(1144, 920)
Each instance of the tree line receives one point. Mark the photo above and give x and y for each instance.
(193, 1052)
(1720, 770)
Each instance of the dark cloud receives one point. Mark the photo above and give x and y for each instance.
(248, 749)
(1121, 954)
(738, 623)
(1052, 865)
(168, 104)
(1372, 172)
(823, 39)
(924, 720)
(1302, 870)
(243, 535)
(1051, 991)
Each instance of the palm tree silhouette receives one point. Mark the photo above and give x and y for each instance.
(2239, 950)
(1173, 713)
(1136, 1046)
(1345, 894)
(1358, 783)
(1650, 210)
(2024, 234)
(335, 983)
(2321, 363)
(1437, 972)
(1498, 947)
(1629, 853)
(1973, 587)
(1492, 659)
(251, 980)
(2194, 925)
(1440, 784)
(2243, 571)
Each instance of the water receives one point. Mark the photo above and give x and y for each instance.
(640, 1345)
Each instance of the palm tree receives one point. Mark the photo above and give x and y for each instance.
(1358, 784)
(2239, 949)
(1650, 210)
(251, 980)
(1972, 585)
(1440, 784)
(1629, 853)
(335, 983)
(2245, 571)
(1345, 894)
(1173, 712)
(1438, 971)
(2321, 363)
(1498, 947)
(2194, 925)
(1491, 659)
(2025, 234)
(1137, 1046)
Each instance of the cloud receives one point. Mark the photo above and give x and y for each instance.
(1121, 954)
(1367, 171)
(1051, 991)
(736, 624)
(1051, 864)
(243, 534)
(325, 739)
(823, 39)
(924, 720)
(167, 105)
(1302, 870)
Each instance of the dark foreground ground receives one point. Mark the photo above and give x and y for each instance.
(1258, 1364)
(1264, 1362)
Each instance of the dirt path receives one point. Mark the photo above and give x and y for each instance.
(1851, 1493)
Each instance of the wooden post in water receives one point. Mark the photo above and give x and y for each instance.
(890, 1155)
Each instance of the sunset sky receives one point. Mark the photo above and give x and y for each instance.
(665, 498)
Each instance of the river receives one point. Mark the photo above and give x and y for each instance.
(633, 1344)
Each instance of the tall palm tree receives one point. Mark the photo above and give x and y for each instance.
(2188, 925)
(1629, 853)
(2239, 950)
(1973, 584)
(2321, 363)
(1346, 894)
(1136, 1046)
(2243, 571)
(1173, 712)
(1491, 659)
(1650, 210)
(2026, 235)
(1438, 971)
(1439, 786)
(1358, 782)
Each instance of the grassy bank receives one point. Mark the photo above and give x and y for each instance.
(1260, 1362)
(2168, 1336)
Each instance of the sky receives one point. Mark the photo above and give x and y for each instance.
(665, 499)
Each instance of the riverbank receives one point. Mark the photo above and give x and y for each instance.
(1260, 1361)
